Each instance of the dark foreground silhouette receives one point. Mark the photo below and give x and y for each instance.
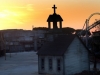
(89, 73)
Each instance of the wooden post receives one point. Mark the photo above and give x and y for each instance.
(49, 25)
(60, 25)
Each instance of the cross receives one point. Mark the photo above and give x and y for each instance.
(54, 9)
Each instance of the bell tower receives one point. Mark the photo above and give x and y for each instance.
(54, 18)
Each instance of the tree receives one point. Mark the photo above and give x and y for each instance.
(40, 28)
(65, 30)
(96, 50)
(68, 30)
(78, 30)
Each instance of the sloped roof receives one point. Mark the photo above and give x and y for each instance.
(58, 46)
(54, 17)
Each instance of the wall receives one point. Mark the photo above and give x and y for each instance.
(54, 70)
(76, 58)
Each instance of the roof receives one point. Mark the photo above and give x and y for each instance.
(54, 17)
(58, 46)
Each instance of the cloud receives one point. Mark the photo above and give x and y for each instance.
(30, 7)
(7, 15)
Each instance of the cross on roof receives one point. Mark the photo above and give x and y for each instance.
(54, 7)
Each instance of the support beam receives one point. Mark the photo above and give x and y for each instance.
(55, 25)
(49, 25)
(60, 25)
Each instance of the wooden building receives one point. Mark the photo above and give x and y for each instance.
(65, 55)
(62, 54)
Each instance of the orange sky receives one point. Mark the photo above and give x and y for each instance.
(22, 14)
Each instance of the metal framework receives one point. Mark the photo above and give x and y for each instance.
(90, 27)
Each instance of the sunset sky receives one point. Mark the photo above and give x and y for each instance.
(22, 14)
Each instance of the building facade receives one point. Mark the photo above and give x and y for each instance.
(65, 55)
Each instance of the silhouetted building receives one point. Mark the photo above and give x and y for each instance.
(18, 40)
(54, 18)
(62, 54)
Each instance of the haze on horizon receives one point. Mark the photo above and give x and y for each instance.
(22, 14)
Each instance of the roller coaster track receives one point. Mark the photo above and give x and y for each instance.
(94, 25)
(90, 27)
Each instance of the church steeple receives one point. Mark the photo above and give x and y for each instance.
(54, 7)
(54, 18)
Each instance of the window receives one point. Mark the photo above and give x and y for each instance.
(50, 64)
(58, 64)
(42, 64)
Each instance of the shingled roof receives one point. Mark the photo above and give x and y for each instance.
(58, 46)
